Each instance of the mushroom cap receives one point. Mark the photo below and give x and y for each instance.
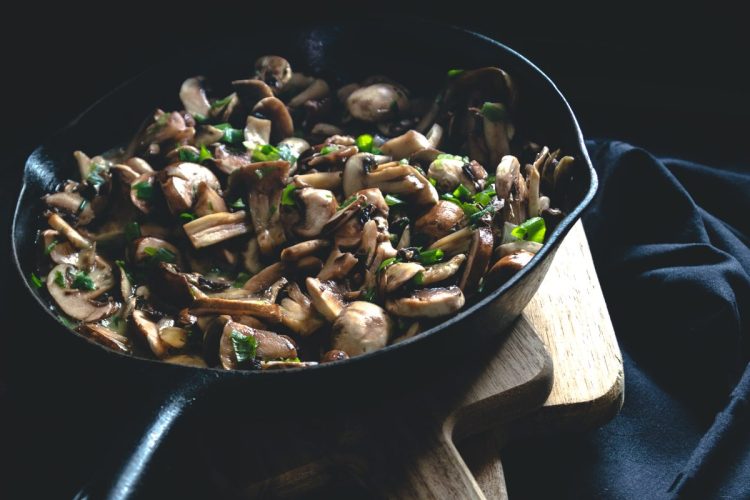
(79, 304)
(320, 205)
(479, 257)
(273, 109)
(360, 328)
(440, 220)
(507, 267)
(376, 103)
(273, 70)
(427, 303)
(193, 96)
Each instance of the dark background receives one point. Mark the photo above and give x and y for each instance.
(674, 82)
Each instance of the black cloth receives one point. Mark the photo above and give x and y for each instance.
(671, 244)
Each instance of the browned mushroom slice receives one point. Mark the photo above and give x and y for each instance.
(480, 254)
(403, 180)
(361, 327)
(146, 248)
(534, 204)
(180, 183)
(266, 345)
(273, 70)
(208, 201)
(251, 307)
(337, 266)
(441, 220)
(304, 249)
(59, 251)
(319, 180)
(251, 91)
(149, 330)
(334, 355)
(265, 278)
(173, 287)
(440, 271)
(186, 360)
(397, 275)
(73, 291)
(376, 103)
(427, 303)
(73, 204)
(507, 267)
(282, 125)
(106, 337)
(215, 228)
(298, 313)
(227, 110)
(325, 298)
(73, 236)
(320, 206)
(193, 96)
(405, 145)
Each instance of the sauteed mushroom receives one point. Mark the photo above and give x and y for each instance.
(293, 222)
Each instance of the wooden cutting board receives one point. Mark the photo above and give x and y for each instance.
(407, 449)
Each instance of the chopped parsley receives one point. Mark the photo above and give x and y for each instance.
(245, 347)
(220, 103)
(238, 203)
(48, 249)
(433, 256)
(386, 263)
(452, 73)
(494, 112)
(132, 231)
(60, 279)
(365, 143)
(35, 280)
(231, 135)
(82, 281)
(369, 295)
(144, 190)
(287, 195)
(329, 149)
(241, 279)
(160, 255)
(187, 216)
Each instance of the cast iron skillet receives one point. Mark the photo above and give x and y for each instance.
(418, 55)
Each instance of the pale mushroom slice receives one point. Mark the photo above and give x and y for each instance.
(149, 330)
(273, 109)
(361, 327)
(318, 89)
(399, 274)
(298, 313)
(236, 352)
(319, 206)
(247, 306)
(365, 170)
(257, 132)
(427, 303)
(74, 291)
(73, 236)
(215, 228)
(325, 298)
(497, 130)
(319, 180)
(180, 184)
(454, 243)
(208, 201)
(192, 360)
(106, 337)
(304, 249)
(58, 250)
(405, 145)
(72, 204)
(193, 96)
(148, 248)
(338, 265)
(515, 246)
(440, 271)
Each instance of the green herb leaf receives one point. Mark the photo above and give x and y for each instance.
(329, 149)
(392, 200)
(187, 216)
(160, 255)
(265, 152)
(238, 203)
(245, 347)
(287, 195)
(222, 102)
(144, 190)
(35, 280)
(82, 281)
(484, 197)
(446, 156)
(462, 193)
(132, 231)
(241, 279)
(433, 256)
(60, 279)
(233, 136)
(433, 181)
(494, 112)
(205, 154)
(94, 178)
(370, 295)
(348, 202)
(452, 73)
(121, 265)
(376, 150)
(48, 249)
(188, 155)
(364, 143)
(533, 229)
(199, 118)
(290, 360)
(418, 278)
(66, 322)
(386, 263)
(490, 209)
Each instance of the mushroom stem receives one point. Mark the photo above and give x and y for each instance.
(73, 236)
(215, 228)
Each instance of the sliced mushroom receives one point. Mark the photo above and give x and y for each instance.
(397, 275)
(361, 327)
(269, 345)
(454, 243)
(507, 171)
(319, 180)
(180, 183)
(320, 205)
(362, 171)
(251, 307)
(304, 249)
(172, 286)
(73, 236)
(208, 134)
(497, 131)
(325, 298)
(440, 271)
(186, 360)
(251, 91)
(298, 313)
(208, 201)
(227, 161)
(149, 330)
(193, 96)
(281, 121)
(273, 70)
(215, 228)
(507, 267)
(251, 257)
(377, 103)
(73, 204)
(325, 130)
(144, 249)
(334, 355)
(60, 252)
(405, 145)
(141, 192)
(440, 220)
(427, 303)
(77, 303)
(106, 337)
(515, 246)
(257, 132)
(434, 136)
(265, 278)
(480, 254)
(296, 144)
(318, 89)
(338, 265)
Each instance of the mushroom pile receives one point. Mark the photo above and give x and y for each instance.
(290, 223)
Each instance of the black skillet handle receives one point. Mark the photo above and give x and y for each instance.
(122, 476)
